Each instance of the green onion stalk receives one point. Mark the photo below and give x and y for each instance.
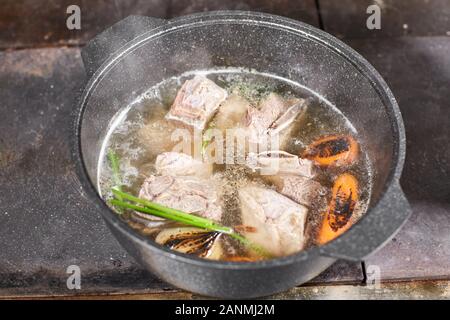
(123, 200)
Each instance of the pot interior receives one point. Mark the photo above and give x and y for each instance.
(294, 54)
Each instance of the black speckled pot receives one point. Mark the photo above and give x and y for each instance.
(139, 52)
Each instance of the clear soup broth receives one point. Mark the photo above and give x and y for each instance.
(324, 188)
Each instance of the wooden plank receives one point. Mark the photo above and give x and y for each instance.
(423, 290)
(386, 291)
(347, 18)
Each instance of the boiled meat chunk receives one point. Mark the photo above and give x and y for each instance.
(258, 120)
(156, 136)
(286, 118)
(189, 194)
(180, 164)
(288, 123)
(277, 223)
(196, 102)
(291, 176)
(302, 190)
(280, 162)
(273, 118)
(231, 112)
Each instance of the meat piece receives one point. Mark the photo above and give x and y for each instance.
(280, 162)
(274, 118)
(231, 112)
(258, 120)
(188, 194)
(278, 223)
(196, 102)
(229, 139)
(287, 117)
(288, 123)
(180, 164)
(156, 136)
(302, 190)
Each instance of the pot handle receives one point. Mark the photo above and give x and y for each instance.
(373, 230)
(100, 48)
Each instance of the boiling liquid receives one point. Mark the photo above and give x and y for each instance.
(137, 160)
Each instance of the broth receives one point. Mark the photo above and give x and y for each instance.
(137, 159)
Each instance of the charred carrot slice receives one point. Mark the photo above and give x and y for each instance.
(334, 150)
(340, 209)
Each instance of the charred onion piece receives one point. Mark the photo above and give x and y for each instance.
(341, 207)
(191, 241)
(334, 150)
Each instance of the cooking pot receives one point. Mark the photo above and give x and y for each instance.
(139, 52)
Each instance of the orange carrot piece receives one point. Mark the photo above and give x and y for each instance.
(333, 150)
(340, 210)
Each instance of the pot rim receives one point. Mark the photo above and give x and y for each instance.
(290, 25)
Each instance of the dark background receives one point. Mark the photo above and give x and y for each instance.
(47, 224)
